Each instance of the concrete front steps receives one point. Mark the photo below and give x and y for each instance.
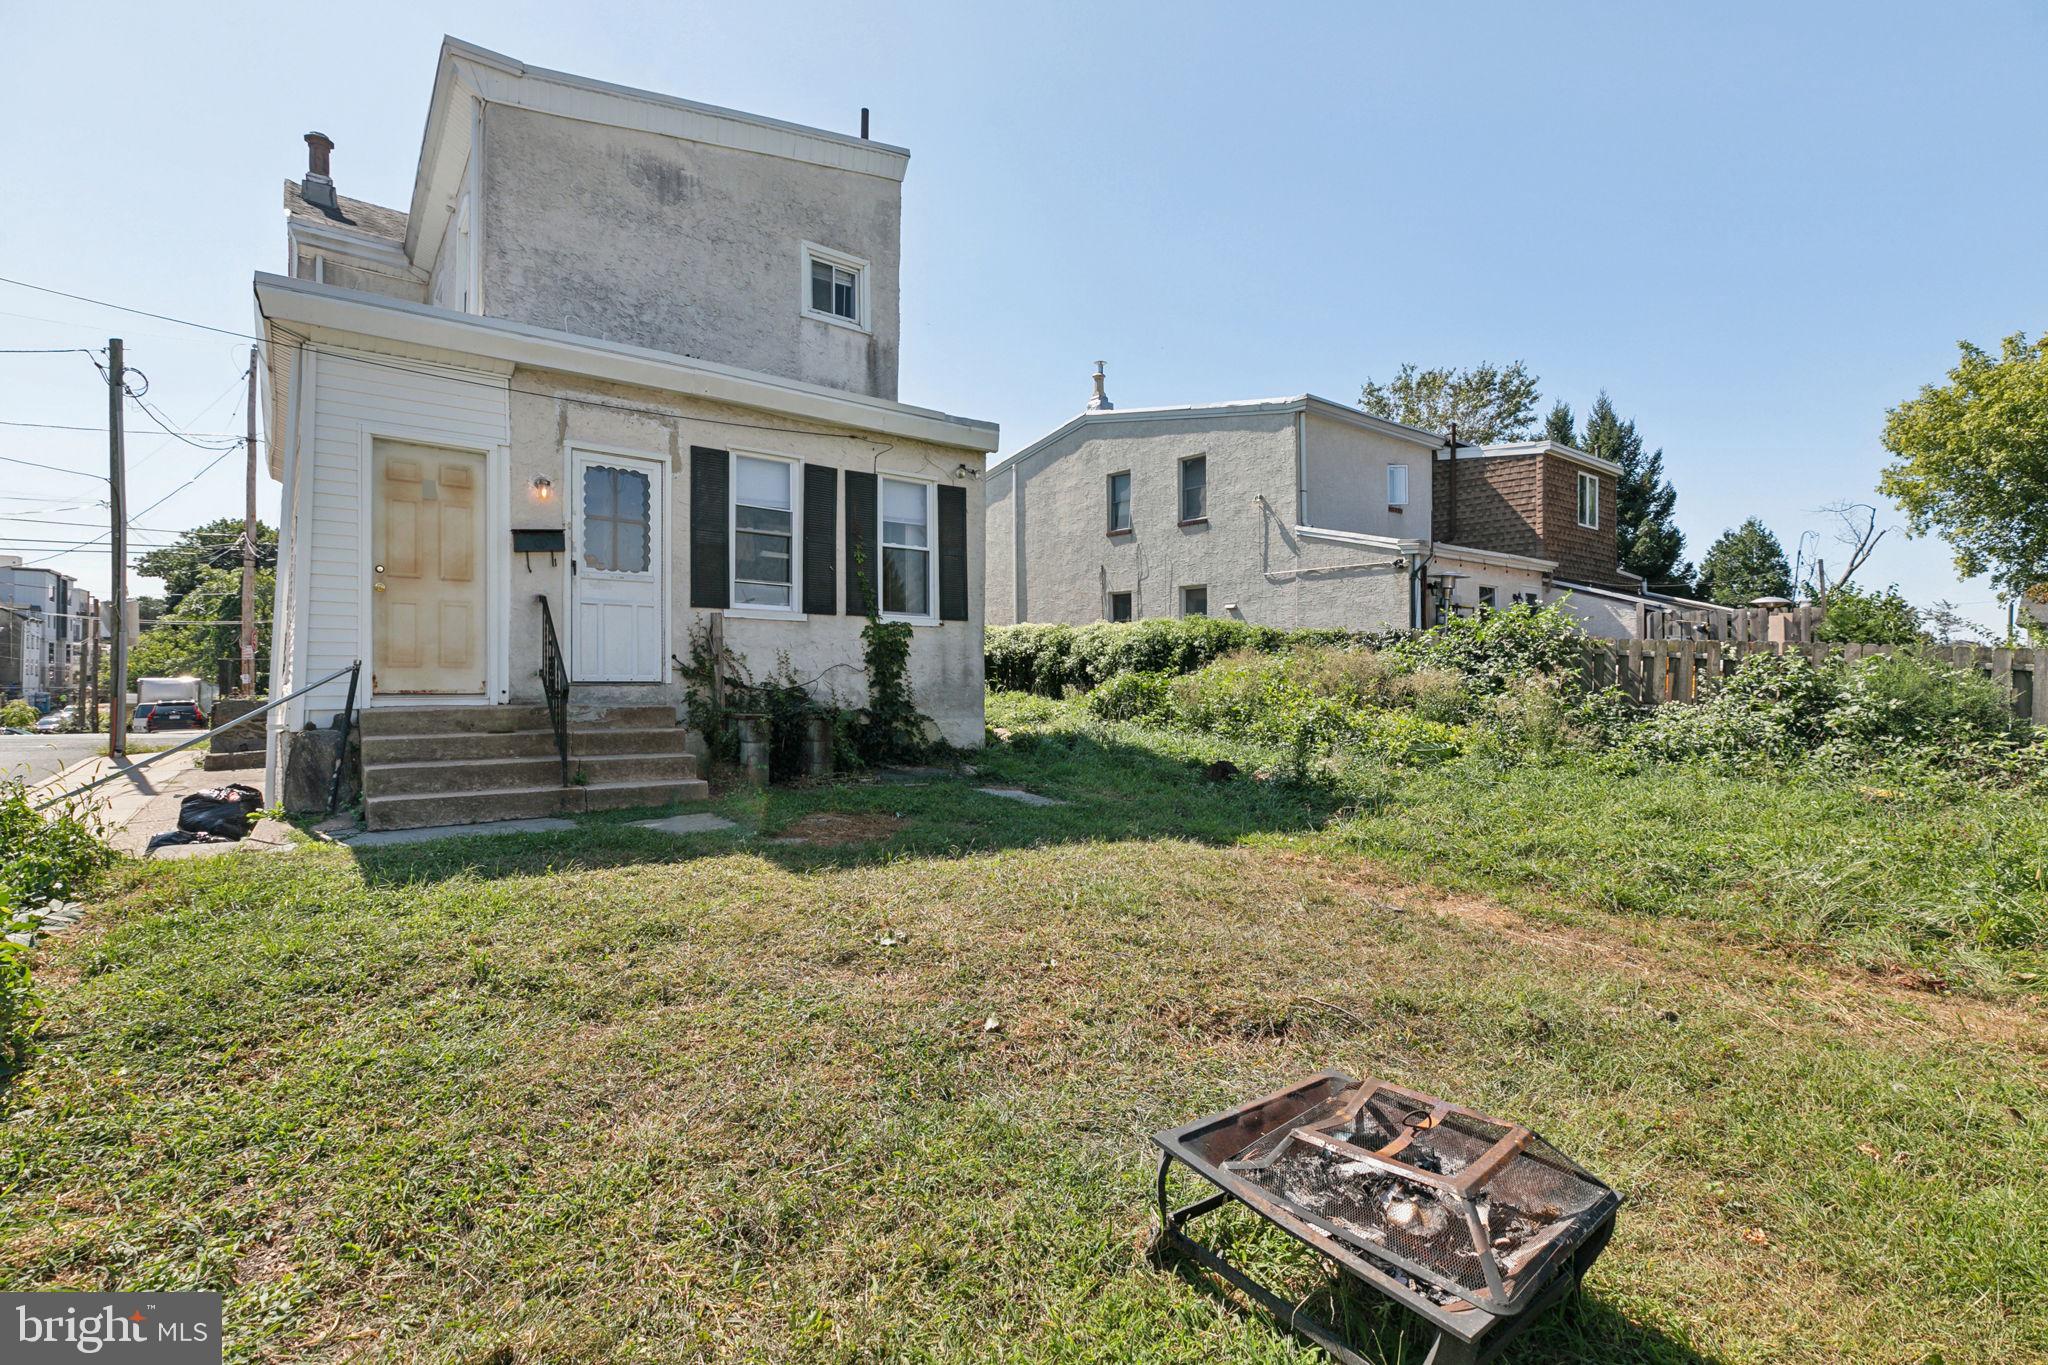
(452, 765)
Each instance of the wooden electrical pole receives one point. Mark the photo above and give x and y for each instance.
(249, 545)
(117, 479)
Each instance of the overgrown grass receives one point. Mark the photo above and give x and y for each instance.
(609, 1096)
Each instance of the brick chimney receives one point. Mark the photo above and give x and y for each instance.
(317, 188)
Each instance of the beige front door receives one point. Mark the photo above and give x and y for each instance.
(426, 580)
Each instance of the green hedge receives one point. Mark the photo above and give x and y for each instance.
(1051, 660)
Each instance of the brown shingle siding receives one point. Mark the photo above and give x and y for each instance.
(1527, 505)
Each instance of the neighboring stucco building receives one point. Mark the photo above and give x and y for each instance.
(658, 336)
(1297, 512)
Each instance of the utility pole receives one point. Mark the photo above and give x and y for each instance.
(249, 545)
(117, 481)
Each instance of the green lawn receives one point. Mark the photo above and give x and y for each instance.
(609, 1095)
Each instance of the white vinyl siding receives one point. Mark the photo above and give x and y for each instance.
(351, 400)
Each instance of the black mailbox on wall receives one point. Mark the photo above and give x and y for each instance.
(549, 541)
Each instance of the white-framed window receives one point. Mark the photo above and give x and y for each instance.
(1194, 488)
(764, 563)
(1489, 597)
(907, 518)
(1194, 599)
(1589, 501)
(1119, 606)
(1120, 502)
(835, 286)
(1397, 485)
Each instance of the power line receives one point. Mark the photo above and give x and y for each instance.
(101, 431)
(56, 469)
(44, 350)
(124, 308)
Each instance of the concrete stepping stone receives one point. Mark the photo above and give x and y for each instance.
(698, 822)
(1018, 794)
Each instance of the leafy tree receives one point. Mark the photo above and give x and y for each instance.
(1972, 461)
(216, 545)
(1856, 616)
(205, 629)
(1487, 402)
(1648, 542)
(1560, 426)
(19, 714)
(1744, 564)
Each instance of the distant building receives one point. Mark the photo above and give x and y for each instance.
(57, 618)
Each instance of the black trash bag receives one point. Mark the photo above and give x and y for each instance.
(222, 812)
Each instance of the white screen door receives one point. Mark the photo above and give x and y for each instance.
(615, 617)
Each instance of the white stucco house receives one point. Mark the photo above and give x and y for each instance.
(623, 361)
(1299, 511)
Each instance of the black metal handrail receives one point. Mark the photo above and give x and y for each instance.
(554, 682)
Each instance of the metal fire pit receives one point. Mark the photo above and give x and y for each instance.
(1475, 1225)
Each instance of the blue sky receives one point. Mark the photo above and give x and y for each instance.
(1756, 225)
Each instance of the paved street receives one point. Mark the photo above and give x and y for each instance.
(37, 758)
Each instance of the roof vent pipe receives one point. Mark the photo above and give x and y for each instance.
(318, 186)
(863, 123)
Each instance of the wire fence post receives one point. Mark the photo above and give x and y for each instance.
(348, 711)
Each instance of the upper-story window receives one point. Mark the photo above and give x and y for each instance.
(1589, 501)
(1120, 502)
(835, 286)
(1194, 488)
(1397, 485)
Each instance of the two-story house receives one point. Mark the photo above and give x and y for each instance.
(1298, 512)
(624, 361)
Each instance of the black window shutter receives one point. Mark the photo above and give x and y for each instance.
(952, 554)
(863, 562)
(821, 539)
(710, 527)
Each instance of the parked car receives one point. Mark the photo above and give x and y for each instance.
(56, 721)
(173, 715)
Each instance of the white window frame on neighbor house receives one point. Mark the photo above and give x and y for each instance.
(930, 548)
(794, 609)
(1397, 487)
(1185, 589)
(1202, 514)
(812, 254)
(1589, 500)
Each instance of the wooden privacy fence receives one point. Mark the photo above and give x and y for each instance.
(1737, 625)
(1654, 672)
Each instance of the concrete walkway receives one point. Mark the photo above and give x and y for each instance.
(142, 802)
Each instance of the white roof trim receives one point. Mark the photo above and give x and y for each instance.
(468, 72)
(497, 339)
(1556, 448)
(1362, 539)
(1303, 402)
(1502, 559)
(366, 247)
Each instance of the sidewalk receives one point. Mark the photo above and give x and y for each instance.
(143, 802)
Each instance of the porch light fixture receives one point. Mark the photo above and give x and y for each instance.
(543, 487)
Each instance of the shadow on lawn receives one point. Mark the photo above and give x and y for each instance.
(1582, 1328)
(1112, 792)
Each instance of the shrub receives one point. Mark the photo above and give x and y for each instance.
(1134, 696)
(1856, 617)
(19, 715)
(1913, 700)
(1052, 660)
(1492, 649)
(42, 859)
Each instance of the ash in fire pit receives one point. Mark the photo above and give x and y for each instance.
(1467, 1220)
